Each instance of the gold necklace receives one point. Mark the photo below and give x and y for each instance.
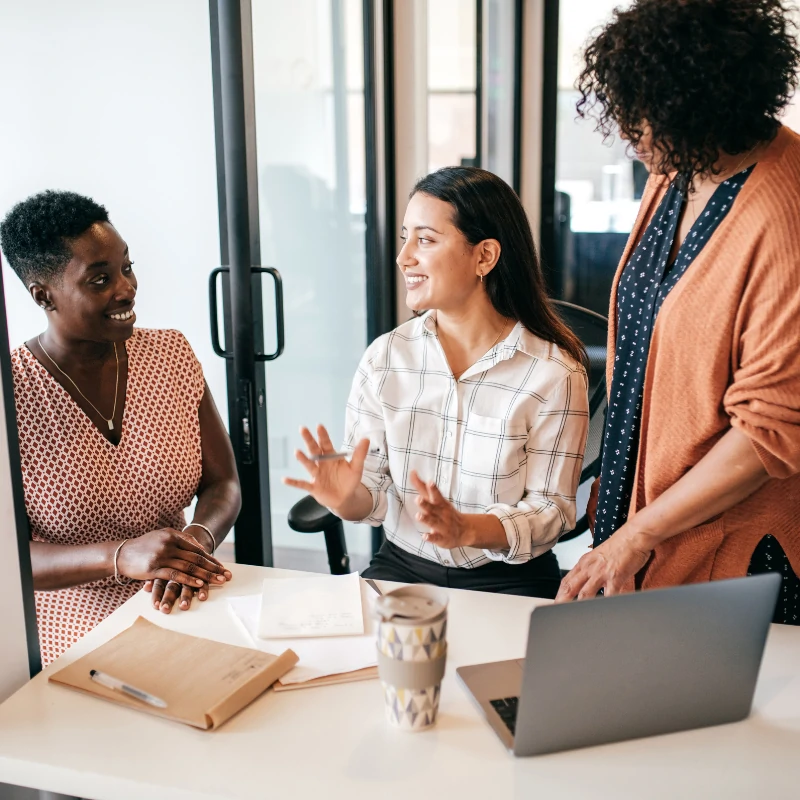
(109, 422)
(494, 344)
(502, 331)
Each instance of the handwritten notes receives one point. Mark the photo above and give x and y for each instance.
(319, 657)
(310, 607)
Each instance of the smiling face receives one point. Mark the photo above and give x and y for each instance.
(92, 299)
(441, 268)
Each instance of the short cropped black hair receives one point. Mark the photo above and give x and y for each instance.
(36, 233)
(709, 76)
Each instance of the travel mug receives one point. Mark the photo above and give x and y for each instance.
(412, 649)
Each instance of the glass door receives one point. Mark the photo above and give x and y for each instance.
(294, 117)
(308, 60)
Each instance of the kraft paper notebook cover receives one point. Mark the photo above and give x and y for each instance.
(204, 683)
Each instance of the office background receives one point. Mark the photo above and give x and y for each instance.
(350, 102)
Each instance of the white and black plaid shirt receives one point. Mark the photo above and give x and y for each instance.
(506, 439)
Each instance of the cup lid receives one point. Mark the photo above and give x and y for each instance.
(411, 605)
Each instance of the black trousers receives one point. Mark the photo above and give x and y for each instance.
(539, 577)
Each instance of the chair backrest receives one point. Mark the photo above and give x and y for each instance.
(592, 329)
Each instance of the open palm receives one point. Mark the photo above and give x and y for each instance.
(332, 483)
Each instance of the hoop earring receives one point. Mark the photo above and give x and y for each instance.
(481, 274)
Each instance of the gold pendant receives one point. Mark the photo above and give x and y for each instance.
(110, 424)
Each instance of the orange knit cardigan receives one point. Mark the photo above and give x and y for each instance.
(725, 352)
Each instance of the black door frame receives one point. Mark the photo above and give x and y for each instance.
(379, 124)
(240, 250)
(548, 234)
(22, 527)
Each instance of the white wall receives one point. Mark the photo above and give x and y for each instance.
(113, 99)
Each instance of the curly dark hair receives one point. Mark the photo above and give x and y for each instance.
(36, 233)
(707, 76)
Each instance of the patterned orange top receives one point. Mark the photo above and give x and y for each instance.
(82, 489)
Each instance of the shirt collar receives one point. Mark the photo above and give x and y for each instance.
(520, 338)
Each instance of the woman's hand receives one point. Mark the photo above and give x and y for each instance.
(609, 566)
(447, 526)
(169, 555)
(166, 593)
(333, 483)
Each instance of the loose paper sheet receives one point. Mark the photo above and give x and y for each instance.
(303, 607)
(318, 657)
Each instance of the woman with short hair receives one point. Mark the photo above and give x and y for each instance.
(466, 426)
(700, 476)
(117, 431)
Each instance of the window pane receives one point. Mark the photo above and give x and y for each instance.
(597, 183)
(451, 129)
(452, 48)
(452, 78)
(308, 58)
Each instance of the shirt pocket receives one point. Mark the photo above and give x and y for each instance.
(493, 458)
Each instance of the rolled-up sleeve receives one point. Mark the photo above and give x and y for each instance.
(554, 451)
(763, 400)
(364, 420)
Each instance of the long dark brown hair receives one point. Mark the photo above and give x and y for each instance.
(485, 207)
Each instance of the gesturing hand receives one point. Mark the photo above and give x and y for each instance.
(608, 566)
(447, 528)
(332, 482)
(169, 555)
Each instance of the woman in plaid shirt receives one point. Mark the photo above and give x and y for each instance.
(466, 425)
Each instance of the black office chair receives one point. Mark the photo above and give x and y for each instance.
(592, 329)
(308, 516)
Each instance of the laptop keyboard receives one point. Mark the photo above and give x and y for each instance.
(507, 709)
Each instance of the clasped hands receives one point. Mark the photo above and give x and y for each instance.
(174, 566)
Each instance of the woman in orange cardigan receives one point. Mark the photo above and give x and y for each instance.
(701, 464)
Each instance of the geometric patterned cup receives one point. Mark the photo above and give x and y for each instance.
(412, 650)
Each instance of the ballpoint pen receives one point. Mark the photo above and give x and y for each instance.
(328, 456)
(120, 686)
(336, 456)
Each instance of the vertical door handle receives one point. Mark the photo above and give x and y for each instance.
(279, 329)
(214, 316)
(212, 310)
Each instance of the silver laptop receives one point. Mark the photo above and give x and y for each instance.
(628, 666)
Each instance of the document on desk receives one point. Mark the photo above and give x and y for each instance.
(329, 605)
(322, 660)
(200, 682)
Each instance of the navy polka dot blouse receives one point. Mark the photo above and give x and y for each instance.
(644, 285)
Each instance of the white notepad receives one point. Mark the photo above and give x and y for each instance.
(306, 607)
(319, 657)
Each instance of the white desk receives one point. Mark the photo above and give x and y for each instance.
(332, 742)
